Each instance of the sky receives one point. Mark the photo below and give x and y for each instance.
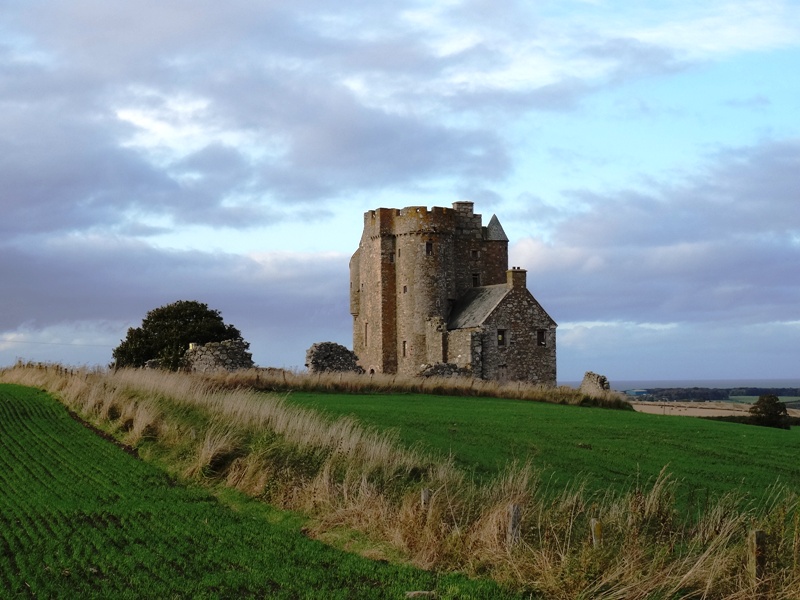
(642, 157)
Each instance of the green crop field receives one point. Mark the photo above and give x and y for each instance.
(605, 448)
(80, 518)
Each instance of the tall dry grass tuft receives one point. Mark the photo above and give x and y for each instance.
(141, 423)
(279, 380)
(220, 445)
(223, 430)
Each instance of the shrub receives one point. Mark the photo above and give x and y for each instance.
(167, 331)
(769, 411)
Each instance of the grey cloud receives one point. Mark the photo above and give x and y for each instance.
(633, 58)
(561, 96)
(719, 247)
(336, 144)
(63, 172)
(281, 307)
(270, 73)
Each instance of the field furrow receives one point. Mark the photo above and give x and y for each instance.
(81, 518)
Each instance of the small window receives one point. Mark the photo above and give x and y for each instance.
(398, 253)
(475, 253)
(366, 334)
(405, 348)
(405, 289)
(501, 338)
(476, 280)
(541, 337)
(428, 248)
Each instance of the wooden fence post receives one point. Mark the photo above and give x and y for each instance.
(756, 556)
(597, 532)
(425, 498)
(514, 525)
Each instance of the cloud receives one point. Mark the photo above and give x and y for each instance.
(638, 351)
(162, 115)
(630, 58)
(281, 302)
(128, 125)
(719, 247)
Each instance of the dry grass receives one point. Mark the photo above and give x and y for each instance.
(219, 430)
(279, 380)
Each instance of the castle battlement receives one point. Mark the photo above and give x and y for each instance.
(421, 220)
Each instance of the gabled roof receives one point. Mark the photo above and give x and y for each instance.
(476, 305)
(494, 231)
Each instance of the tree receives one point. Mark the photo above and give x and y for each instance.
(167, 331)
(770, 412)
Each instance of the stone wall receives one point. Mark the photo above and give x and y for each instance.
(594, 384)
(328, 356)
(445, 370)
(230, 355)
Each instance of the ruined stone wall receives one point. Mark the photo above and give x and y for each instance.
(229, 355)
(594, 384)
(331, 357)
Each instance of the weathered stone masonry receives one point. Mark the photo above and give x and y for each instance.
(433, 286)
(326, 357)
(230, 355)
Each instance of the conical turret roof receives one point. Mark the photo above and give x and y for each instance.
(494, 231)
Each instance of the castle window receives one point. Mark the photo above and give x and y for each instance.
(405, 289)
(501, 338)
(476, 280)
(429, 248)
(366, 336)
(405, 348)
(475, 253)
(541, 337)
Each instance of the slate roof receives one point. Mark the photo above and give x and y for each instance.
(494, 231)
(476, 305)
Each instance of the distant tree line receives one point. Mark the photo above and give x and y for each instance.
(711, 394)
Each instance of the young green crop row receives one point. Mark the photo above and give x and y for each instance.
(81, 518)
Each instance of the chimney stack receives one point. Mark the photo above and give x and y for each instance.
(516, 277)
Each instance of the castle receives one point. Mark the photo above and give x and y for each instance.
(433, 286)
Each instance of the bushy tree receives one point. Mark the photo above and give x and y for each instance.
(769, 411)
(167, 331)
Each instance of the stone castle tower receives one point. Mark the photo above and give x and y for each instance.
(433, 286)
